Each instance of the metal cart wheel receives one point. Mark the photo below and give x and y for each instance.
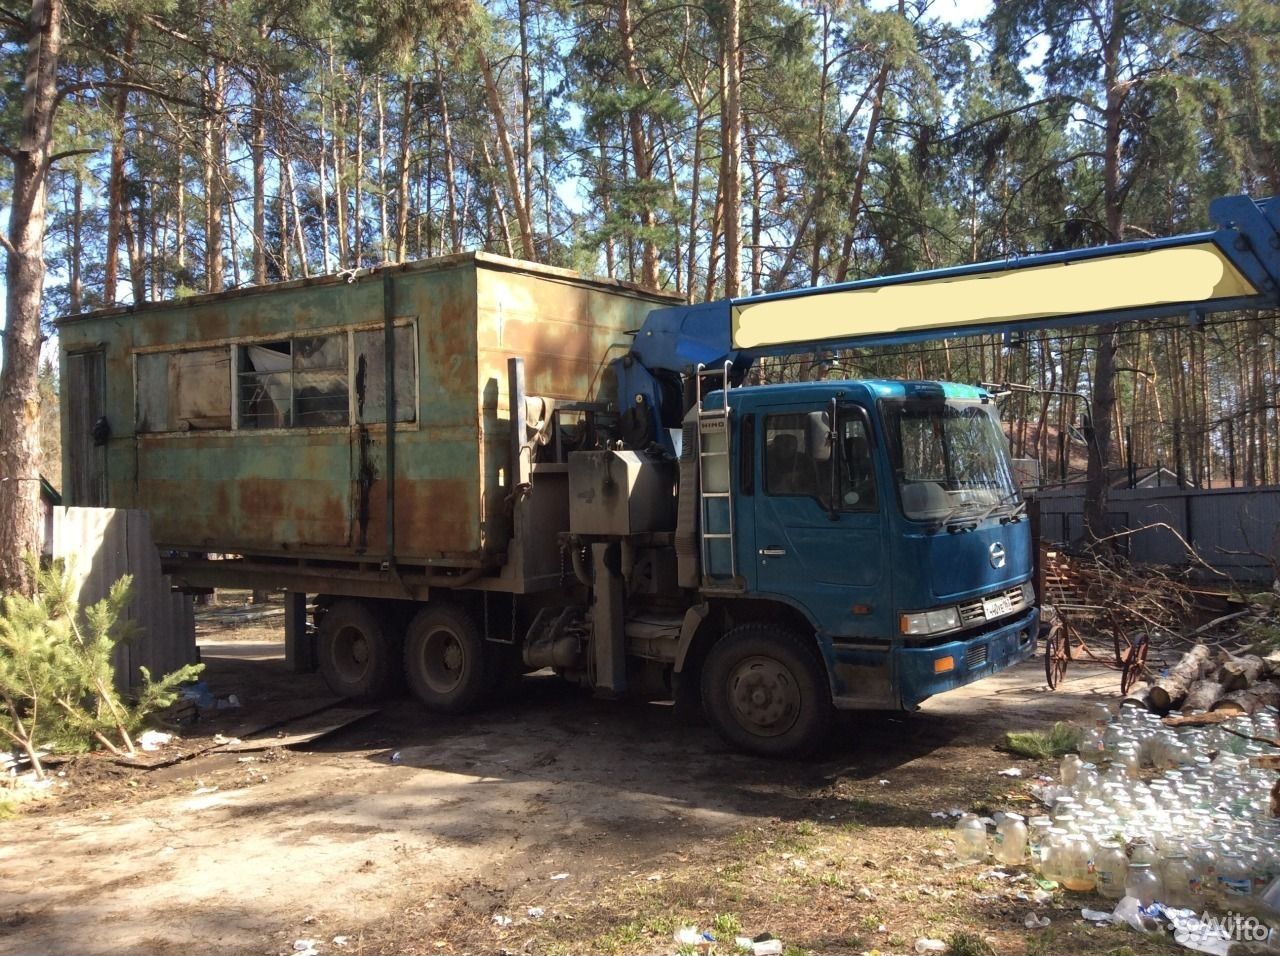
(1057, 653)
(1135, 663)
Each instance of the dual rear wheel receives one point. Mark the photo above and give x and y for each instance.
(440, 654)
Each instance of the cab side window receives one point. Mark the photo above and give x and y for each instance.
(789, 464)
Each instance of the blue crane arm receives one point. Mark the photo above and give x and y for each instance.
(1235, 266)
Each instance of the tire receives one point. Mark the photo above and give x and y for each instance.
(358, 658)
(765, 691)
(445, 660)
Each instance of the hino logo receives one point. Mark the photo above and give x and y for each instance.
(996, 555)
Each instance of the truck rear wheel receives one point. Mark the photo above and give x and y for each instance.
(357, 657)
(444, 659)
(766, 692)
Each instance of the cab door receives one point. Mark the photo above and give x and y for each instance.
(819, 523)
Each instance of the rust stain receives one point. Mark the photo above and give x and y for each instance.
(434, 517)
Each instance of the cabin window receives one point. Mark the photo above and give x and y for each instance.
(790, 467)
(184, 391)
(309, 381)
(294, 383)
(370, 370)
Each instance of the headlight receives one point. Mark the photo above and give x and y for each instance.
(1028, 593)
(924, 623)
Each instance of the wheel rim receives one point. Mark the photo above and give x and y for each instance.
(1135, 664)
(444, 661)
(1055, 655)
(764, 696)
(351, 654)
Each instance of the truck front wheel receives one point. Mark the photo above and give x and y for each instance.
(444, 659)
(765, 691)
(357, 657)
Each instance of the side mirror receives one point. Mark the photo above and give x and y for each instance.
(818, 435)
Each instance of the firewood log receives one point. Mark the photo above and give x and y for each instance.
(1237, 673)
(1168, 692)
(1251, 699)
(1139, 697)
(1272, 664)
(1202, 695)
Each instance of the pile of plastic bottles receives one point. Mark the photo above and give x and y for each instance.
(1149, 811)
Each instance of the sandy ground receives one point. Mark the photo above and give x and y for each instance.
(552, 800)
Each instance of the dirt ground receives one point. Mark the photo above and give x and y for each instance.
(553, 823)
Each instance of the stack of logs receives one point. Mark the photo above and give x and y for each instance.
(1222, 683)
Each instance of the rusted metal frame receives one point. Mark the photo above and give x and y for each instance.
(437, 264)
(389, 410)
(335, 578)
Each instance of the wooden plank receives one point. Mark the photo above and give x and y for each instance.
(303, 731)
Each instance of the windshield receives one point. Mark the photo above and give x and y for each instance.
(949, 459)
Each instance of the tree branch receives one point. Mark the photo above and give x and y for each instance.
(7, 245)
(74, 89)
(66, 154)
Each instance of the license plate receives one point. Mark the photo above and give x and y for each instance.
(996, 606)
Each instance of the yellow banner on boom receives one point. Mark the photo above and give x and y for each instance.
(1176, 275)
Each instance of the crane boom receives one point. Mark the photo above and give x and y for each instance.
(1236, 266)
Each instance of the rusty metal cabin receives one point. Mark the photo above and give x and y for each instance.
(253, 422)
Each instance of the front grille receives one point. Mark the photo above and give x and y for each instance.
(972, 612)
(975, 656)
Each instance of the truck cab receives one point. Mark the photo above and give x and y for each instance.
(880, 517)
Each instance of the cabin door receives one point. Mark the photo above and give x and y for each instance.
(88, 429)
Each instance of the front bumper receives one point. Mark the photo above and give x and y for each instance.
(972, 659)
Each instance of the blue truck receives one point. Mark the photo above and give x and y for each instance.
(581, 475)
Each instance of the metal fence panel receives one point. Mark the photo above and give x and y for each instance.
(1234, 530)
(99, 545)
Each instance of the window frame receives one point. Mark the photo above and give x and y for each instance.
(233, 344)
(821, 498)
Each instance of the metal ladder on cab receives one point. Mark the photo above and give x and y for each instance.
(716, 529)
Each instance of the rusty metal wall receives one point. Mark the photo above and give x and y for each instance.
(99, 546)
(319, 492)
(1234, 530)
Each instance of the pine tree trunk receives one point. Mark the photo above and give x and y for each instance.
(450, 187)
(75, 291)
(258, 151)
(1104, 385)
(213, 183)
(731, 159)
(695, 189)
(357, 200)
(640, 148)
(606, 204)
(384, 246)
(509, 161)
(24, 279)
(402, 188)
